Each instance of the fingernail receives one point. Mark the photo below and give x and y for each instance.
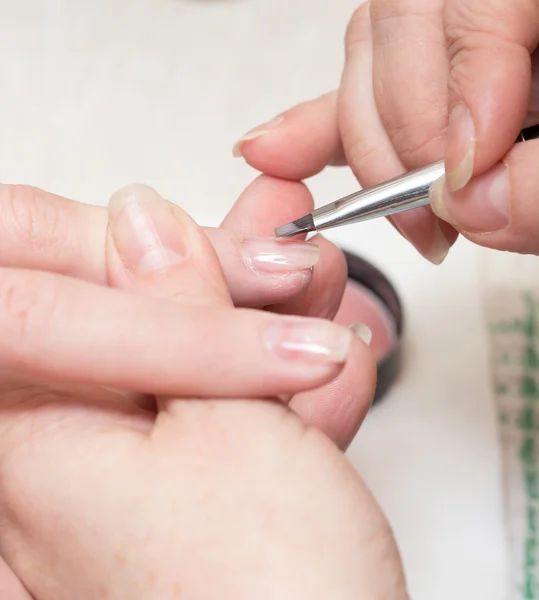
(308, 340)
(439, 247)
(144, 230)
(256, 133)
(480, 208)
(269, 256)
(460, 148)
(361, 331)
(434, 250)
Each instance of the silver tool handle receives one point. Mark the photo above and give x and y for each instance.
(405, 192)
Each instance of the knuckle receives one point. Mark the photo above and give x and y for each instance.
(33, 218)
(416, 128)
(468, 22)
(387, 9)
(28, 302)
(396, 15)
(419, 141)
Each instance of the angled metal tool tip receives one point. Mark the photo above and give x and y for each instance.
(303, 225)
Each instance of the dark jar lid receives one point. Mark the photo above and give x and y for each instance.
(367, 275)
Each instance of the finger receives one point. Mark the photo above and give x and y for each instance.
(144, 229)
(298, 143)
(305, 139)
(498, 209)
(266, 203)
(323, 296)
(368, 147)
(258, 213)
(42, 231)
(155, 248)
(410, 72)
(45, 232)
(60, 329)
(263, 270)
(339, 407)
(490, 42)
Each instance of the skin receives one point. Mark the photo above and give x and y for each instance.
(118, 494)
(409, 64)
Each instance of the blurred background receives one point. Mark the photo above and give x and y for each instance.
(96, 95)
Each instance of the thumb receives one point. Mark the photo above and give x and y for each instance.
(498, 209)
(490, 42)
(155, 248)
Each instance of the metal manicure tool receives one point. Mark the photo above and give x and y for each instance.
(402, 193)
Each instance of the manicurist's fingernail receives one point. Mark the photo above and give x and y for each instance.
(439, 246)
(308, 340)
(144, 230)
(460, 150)
(256, 133)
(270, 256)
(432, 244)
(483, 206)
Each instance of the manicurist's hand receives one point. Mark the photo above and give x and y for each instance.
(426, 80)
(194, 488)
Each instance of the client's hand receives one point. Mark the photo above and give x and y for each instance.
(43, 232)
(114, 495)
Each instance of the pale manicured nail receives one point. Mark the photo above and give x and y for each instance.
(269, 256)
(483, 206)
(361, 331)
(460, 149)
(308, 340)
(439, 247)
(256, 133)
(144, 230)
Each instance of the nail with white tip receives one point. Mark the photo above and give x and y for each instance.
(254, 134)
(361, 331)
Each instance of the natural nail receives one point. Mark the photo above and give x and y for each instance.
(361, 331)
(308, 340)
(460, 149)
(144, 230)
(255, 133)
(269, 256)
(439, 246)
(483, 206)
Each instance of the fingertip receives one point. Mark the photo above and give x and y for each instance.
(262, 270)
(245, 141)
(430, 236)
(267, 203)
(323, 296)
(297, 144)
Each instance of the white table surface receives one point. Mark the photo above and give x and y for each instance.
(98, 94)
